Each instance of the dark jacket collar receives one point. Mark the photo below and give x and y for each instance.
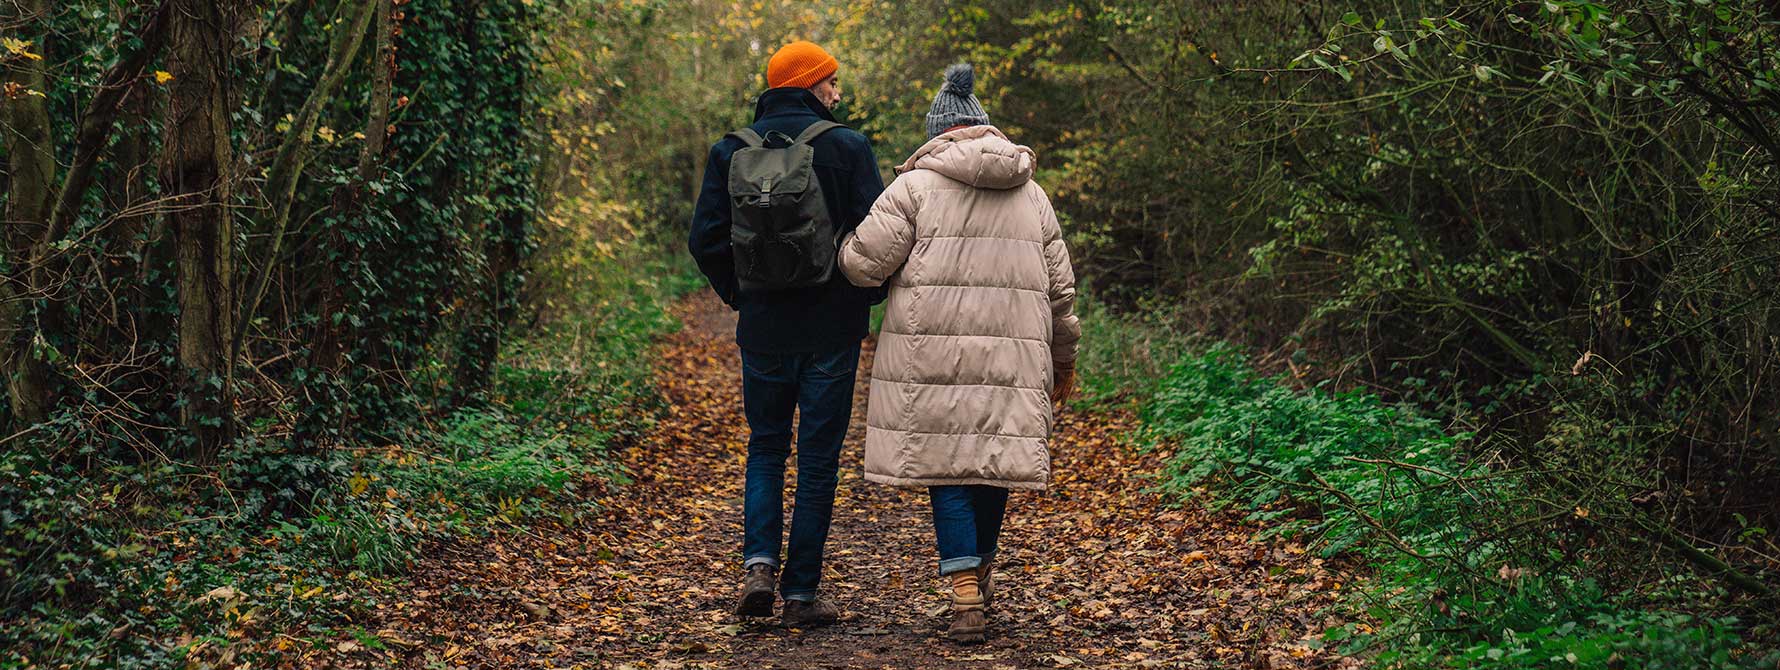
(789, 100)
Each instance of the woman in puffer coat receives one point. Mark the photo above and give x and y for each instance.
(979, 335)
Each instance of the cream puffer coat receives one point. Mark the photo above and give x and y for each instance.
(981, 312)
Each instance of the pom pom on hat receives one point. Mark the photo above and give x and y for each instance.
(960, 79)
(955, 104)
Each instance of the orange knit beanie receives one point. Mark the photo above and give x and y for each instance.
(800, 64)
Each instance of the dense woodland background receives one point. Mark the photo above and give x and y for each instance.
(291, 286)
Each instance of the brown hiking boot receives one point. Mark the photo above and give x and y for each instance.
(968, 619)
(809, 613)
(757, 592)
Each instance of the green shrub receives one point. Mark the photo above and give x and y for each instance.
(1268, 442)
(1458, 581)
(1644, 640)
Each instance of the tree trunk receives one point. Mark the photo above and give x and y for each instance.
(328, 349)
(30, 196)
(287, 164)
(481, 344)
(95, 132)
(194, 177)
(505, 248)
(383, 64)
(123, 188)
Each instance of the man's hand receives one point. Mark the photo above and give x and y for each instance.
(1063, 384)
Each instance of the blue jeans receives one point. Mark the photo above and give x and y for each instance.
(820, 386)
(967, 523)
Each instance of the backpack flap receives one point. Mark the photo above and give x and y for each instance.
(757, 173)
(764, 168)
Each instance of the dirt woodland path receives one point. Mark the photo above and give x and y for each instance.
(1096, 572)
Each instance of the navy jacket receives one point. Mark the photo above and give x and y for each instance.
(818, 318)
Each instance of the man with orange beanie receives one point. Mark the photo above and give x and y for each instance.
(799, 345)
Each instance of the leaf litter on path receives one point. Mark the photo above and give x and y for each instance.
(1099, 571)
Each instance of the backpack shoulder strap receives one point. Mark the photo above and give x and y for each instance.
(815, 130)
(749, 137)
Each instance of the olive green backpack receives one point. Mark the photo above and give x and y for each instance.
(779, 225)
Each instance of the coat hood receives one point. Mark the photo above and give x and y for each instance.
(981, 156)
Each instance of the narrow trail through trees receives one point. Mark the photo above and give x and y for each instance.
(1096, 572)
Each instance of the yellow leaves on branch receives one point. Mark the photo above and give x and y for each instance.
(14, 89)
(163, 76)
(18, 47)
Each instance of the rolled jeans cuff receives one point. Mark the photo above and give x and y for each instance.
(948, 566)
(769, 561)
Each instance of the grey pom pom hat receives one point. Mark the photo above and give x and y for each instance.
(954, 105)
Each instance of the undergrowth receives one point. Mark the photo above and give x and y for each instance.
(1465, 565)
(132, 560)
(1124, 356)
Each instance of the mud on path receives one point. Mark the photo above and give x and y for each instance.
(1096, 572)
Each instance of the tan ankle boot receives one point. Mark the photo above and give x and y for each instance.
(968, 618)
